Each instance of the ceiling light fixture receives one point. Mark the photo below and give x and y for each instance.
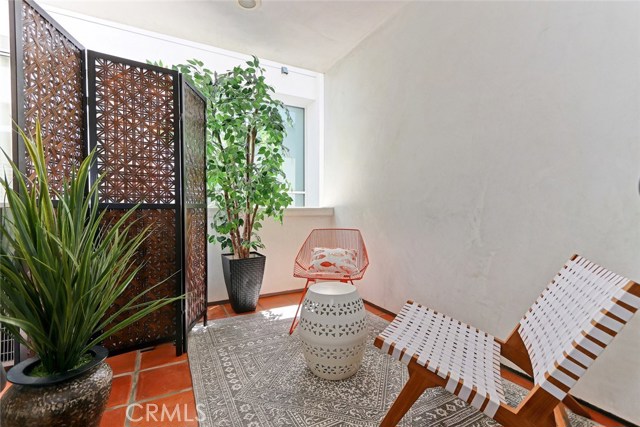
(249, 4)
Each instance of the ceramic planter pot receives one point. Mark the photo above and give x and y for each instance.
(333, 330)
(3, 378)
(243, 278)
(73, 399)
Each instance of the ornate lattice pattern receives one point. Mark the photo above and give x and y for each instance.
(334, 352)
(196, 263)
(333, 330)
(158, 254)
(194, 123)
(135, 129)
(465, 356)
(337, 309)
(53, 93)
(573, 321)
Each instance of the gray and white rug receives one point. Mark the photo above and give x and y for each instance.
(248, 372)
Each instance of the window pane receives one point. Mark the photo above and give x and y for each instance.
(5, 118)
(298, 200)
(4, 28)
(5, 95)
(294, 160)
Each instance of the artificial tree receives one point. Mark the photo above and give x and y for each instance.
(245, 152)
(246, 126)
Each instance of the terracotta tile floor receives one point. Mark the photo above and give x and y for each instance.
(155, 377)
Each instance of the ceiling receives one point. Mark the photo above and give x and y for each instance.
(303, 33)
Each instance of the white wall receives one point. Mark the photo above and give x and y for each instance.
(282, 245)
(478, 145)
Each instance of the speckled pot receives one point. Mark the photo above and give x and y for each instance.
(77, 402)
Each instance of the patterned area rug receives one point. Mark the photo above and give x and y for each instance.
(247, 371)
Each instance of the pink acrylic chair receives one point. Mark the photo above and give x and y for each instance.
(331, 238)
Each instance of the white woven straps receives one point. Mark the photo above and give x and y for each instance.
(574, 319)
(467, 358)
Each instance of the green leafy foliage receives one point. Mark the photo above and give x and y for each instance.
(62, 267)
(245, 152)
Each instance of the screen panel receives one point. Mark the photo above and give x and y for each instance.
(48, 85)
(134, 123)
(158, 256)
(195, 207)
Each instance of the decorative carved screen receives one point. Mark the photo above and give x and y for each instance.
(48, 85)
(195, 203)
(139, 119)
(135, 130)
(158, 254)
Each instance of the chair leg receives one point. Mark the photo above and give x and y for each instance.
(571, 403)
(560, 416)
(412, 390)
(294, 322)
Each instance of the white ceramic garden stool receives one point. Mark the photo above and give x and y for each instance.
(333, 330)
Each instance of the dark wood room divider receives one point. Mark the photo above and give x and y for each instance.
(148, 127)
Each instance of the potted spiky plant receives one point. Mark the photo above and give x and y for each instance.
(61, 269)
(245, 178)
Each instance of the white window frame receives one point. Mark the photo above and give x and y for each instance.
(5, 167)
(312, 146)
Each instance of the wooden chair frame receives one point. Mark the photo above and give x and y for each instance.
(539, 408)
(537, 402)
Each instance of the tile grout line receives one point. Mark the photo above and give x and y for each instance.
(225, 310)
(123, 374)
(151, 399)
(179, 362)
(134, 386)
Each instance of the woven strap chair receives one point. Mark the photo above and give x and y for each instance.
(331, 238)
(565, 330)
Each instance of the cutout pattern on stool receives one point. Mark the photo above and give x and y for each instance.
(336, 331)
(338, 309)
(333, 330)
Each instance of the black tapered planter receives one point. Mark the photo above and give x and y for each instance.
(243, 278)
